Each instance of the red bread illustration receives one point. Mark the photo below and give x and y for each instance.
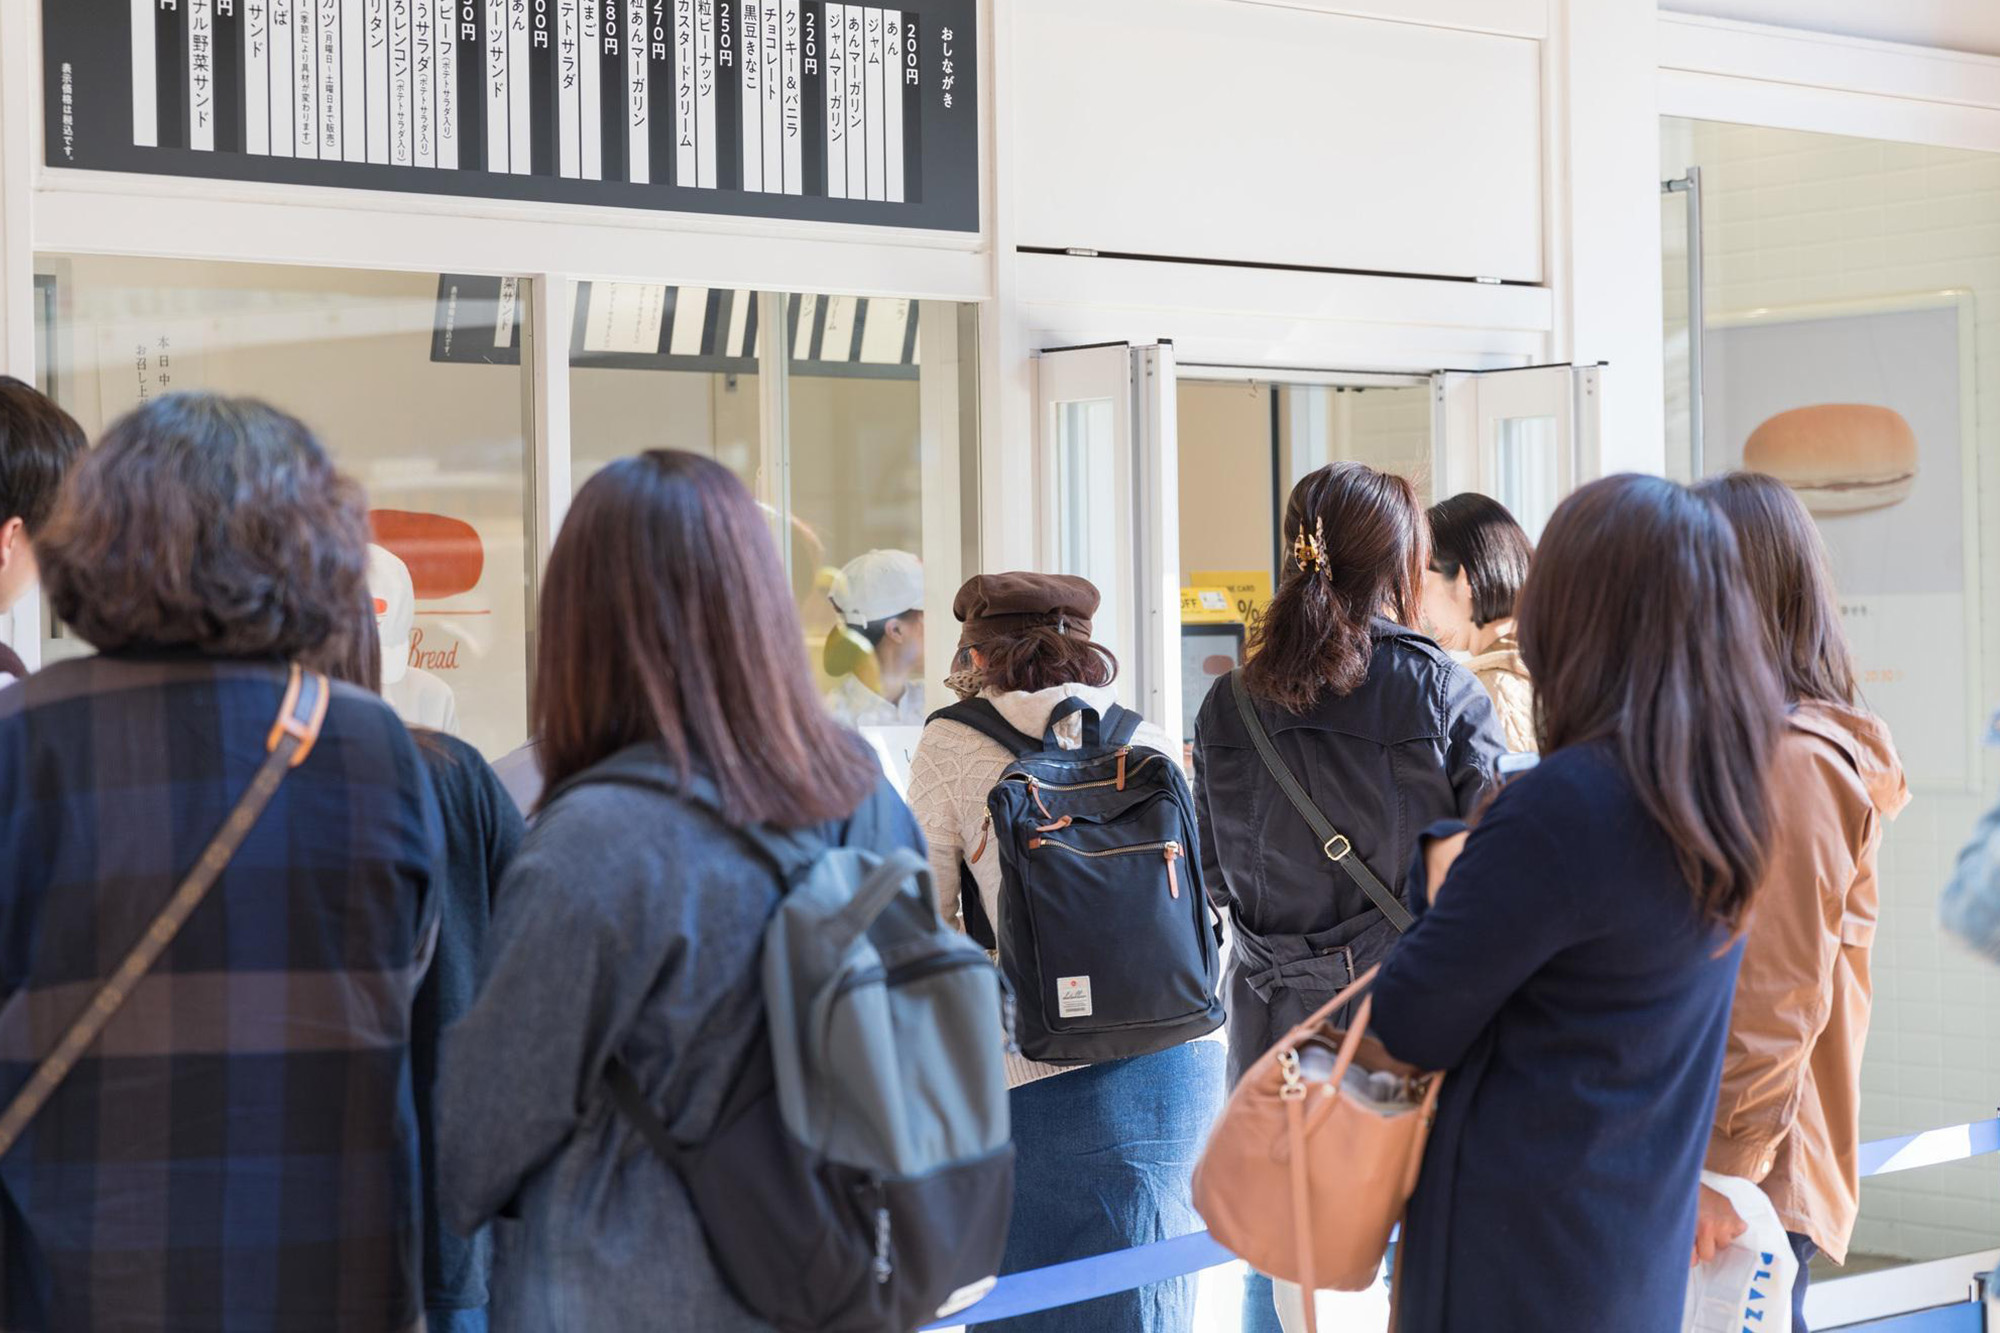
(444, 554)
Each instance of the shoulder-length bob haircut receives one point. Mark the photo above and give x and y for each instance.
(1476, 533)
(1785, 561)
(666, 617)
(212, 523)
(1638, 628)
(1355, 546)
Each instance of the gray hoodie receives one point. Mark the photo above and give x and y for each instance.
(630, 924)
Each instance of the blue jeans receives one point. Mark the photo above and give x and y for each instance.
(1102, 1161)
(455, 1321)
(1805, 1250)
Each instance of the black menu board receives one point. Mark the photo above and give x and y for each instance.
(796, 109)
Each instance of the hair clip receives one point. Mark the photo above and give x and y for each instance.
(1309, 553)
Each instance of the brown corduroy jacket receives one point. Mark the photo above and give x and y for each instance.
(1789, 1115)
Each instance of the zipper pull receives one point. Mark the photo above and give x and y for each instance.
(985, 833)
(1173, 854)
(1035, 790)
(1123, 750)
(1056, 827)
(882, 1267)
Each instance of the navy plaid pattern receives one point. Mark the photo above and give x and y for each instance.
(239, 1149)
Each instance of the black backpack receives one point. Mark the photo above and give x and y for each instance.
(1104, 931)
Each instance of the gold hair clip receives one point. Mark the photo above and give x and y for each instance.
(1309, 553)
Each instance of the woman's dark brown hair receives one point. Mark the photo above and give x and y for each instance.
(1638, 628)
(1786, 563)
(666, 617)
(1042, 658)
(1477, 534)
(211, 523)
(1355, 546)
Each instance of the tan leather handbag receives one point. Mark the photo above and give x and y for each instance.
(1305, 1180)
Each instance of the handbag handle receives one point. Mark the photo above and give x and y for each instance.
(290, 741)
(1332, 842)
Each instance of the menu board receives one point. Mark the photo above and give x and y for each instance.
(766, 108)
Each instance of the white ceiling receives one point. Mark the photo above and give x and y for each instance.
(1958, 25)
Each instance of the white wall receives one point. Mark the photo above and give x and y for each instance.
(1213, 130)
(1797, 219)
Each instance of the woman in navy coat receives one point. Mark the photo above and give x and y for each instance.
(1573, 973)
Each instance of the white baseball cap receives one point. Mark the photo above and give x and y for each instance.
(395, 597)
(878, 585)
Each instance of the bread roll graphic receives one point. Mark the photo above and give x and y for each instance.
(1841, 458)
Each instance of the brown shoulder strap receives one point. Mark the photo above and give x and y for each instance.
(290, 741)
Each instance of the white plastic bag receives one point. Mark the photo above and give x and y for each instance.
(1749, 1284)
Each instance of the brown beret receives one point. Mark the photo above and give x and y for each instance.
(995, 606)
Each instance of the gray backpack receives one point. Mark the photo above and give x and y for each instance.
(860, 1174)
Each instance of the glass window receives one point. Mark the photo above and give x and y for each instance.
(853, 444)
(1850, 302)
(414, 384)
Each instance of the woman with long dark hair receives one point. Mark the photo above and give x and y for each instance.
(630, 924)
(1573, 975)
(1789, 1116)
(1383, 730)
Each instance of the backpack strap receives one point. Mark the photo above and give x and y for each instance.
(787, 851)
(1333, 842)
(1114, 726)
(1120, 725)
(984, 718)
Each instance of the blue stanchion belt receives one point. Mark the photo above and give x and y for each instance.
(1106, 1274)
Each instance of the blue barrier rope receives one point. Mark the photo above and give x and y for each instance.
(1062, 1284)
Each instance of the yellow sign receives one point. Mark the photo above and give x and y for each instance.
(1249, 590)
(1207, 606)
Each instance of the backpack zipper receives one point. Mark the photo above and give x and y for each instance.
(910, 971)
(1170, 851)
(1035, 783)
(985, 833)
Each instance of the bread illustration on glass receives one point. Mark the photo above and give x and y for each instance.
(1840, 458)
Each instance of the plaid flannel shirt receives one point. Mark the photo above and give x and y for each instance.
(238, 1150)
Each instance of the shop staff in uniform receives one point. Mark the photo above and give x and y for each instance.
(876, 653)
(419, 698)
(38, 442)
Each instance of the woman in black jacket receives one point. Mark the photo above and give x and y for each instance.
(1382, 729)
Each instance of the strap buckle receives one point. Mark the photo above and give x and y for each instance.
(300, 717)
(1345, 847)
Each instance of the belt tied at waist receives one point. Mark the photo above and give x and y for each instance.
(1316, 962)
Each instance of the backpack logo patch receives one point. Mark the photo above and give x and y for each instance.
(1073, 997)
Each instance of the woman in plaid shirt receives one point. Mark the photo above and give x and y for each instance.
(238, 1150)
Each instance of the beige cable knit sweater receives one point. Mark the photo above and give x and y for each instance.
(951, 773)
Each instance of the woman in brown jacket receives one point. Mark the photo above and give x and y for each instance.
(1789, 1113)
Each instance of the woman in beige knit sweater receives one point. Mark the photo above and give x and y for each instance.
(1479, 559)
(1103, 1152)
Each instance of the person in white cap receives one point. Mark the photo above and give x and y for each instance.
(419, 698)
(877, 651)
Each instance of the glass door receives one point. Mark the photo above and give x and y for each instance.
(1110, 481)
(1517, 435)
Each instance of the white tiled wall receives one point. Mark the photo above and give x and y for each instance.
(1797, 219)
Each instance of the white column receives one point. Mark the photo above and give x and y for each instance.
(1604, 218)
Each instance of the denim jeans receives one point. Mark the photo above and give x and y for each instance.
(1805, 1250)
(1102, 1161)
(455, 1321)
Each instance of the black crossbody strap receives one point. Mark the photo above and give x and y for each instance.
(291, 740)
(1332, 841)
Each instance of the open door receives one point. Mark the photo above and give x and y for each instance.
(1109, 473)
(1526, 437)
